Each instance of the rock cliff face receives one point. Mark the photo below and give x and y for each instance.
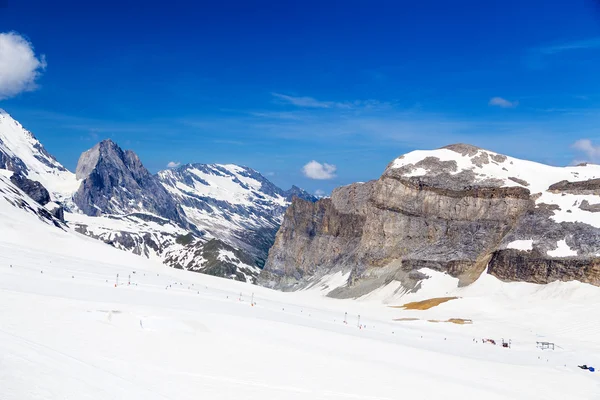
(458, 210)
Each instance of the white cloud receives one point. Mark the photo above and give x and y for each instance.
(316, 170)
(173, 164)
(19, 66)
(591, 151)
(500, 102)
(319, 193)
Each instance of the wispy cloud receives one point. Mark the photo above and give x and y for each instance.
(593, 43)
(311, 102)
(316, 170)
(539, 57)
(319, 193)
(501, 102)
(173, 164)
(304, 101)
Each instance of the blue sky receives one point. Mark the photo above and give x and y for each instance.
(275, 84)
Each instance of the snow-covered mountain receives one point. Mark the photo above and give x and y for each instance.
(23, 154)
(234, 204)
(171, 216)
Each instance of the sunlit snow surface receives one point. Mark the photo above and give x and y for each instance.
(67, 332)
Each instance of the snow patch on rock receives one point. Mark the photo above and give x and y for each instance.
(523, 245)
(562, 250)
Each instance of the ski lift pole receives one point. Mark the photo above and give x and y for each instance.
(358, 323)
(252, 300)
(117, 281)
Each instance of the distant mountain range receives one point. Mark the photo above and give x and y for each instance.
(211, 218)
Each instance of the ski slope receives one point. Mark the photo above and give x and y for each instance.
(67, 332)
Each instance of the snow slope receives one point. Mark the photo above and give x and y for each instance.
(143, 234)
(68, 332)
(30, 157)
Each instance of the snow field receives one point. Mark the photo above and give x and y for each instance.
(69, 333)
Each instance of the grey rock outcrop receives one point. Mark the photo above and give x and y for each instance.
(536, 267)
(34, 189)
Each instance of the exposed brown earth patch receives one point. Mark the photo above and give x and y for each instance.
(425, 304)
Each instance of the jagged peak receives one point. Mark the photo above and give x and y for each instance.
(108, 145)
(108, 152)
(108, 142)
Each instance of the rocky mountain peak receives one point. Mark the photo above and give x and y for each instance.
(116, 182)
(107, 152)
